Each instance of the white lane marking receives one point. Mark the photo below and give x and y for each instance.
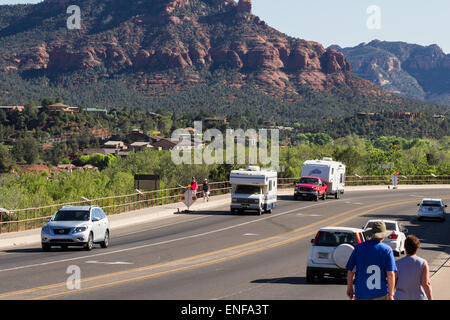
(251, 234)
(308, 215)
(109, 263)
(158, 243)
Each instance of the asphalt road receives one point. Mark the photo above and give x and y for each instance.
(215, 255)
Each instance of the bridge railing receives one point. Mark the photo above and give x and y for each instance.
(32, 218)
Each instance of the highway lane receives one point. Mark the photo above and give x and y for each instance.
(157, 264)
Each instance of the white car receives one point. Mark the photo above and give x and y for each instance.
(76, 226)
(396, 240)
(330, 251)
(431, 208)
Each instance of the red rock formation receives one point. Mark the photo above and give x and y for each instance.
(199, 55)
(175, 57)
(38, 58)
(336, 62)
(226, 57)
(172, 5)
(64, 59)
(303, 58)
(264, 56)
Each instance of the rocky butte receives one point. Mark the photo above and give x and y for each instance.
(144, 40)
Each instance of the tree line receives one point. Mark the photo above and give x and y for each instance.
(361, 156)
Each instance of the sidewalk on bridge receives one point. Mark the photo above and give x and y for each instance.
(439, 280)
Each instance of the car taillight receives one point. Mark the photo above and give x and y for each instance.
(358, 240)
(315, 239)
(393, 236)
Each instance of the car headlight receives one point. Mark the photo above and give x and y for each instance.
(234, 200)
(80, 229)
(255, 201)
(46, 229)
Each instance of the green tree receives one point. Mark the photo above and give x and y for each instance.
(6, 159)
(26, 150)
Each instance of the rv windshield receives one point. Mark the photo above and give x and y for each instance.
(248, 190)
(308, 181)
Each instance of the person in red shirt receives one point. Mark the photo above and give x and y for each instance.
(194, 185)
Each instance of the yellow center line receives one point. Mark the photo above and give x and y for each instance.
(204, 255)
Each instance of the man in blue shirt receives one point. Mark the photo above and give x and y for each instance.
(372, 268)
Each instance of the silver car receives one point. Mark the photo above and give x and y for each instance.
(431, 208)
(76, 226)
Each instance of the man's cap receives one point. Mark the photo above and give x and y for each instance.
(378, 230)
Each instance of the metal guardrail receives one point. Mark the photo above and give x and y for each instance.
(32, 218)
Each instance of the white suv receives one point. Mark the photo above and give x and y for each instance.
(76, 226)
(330, 251)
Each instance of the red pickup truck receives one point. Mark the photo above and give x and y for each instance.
(310, 187)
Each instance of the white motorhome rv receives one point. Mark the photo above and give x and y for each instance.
(253, 189)
(331, 172)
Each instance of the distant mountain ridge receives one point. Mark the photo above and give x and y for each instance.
(182, 54)
(411, 70)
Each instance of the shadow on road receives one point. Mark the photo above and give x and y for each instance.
(302, 280)
(215, 213)
(34, 250)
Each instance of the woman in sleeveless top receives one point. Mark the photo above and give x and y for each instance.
(413, 277)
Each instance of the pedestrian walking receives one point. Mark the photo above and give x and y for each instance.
(413, 274)
(194, 185)
(371, 267)
(205, 188)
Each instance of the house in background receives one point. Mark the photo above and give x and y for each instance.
(137, 135)
(60, 107)
(164, 144)
(118, 145)
(140, 146)
(96, 111)
(9, 108)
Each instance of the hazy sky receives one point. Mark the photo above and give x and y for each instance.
(344, 22)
